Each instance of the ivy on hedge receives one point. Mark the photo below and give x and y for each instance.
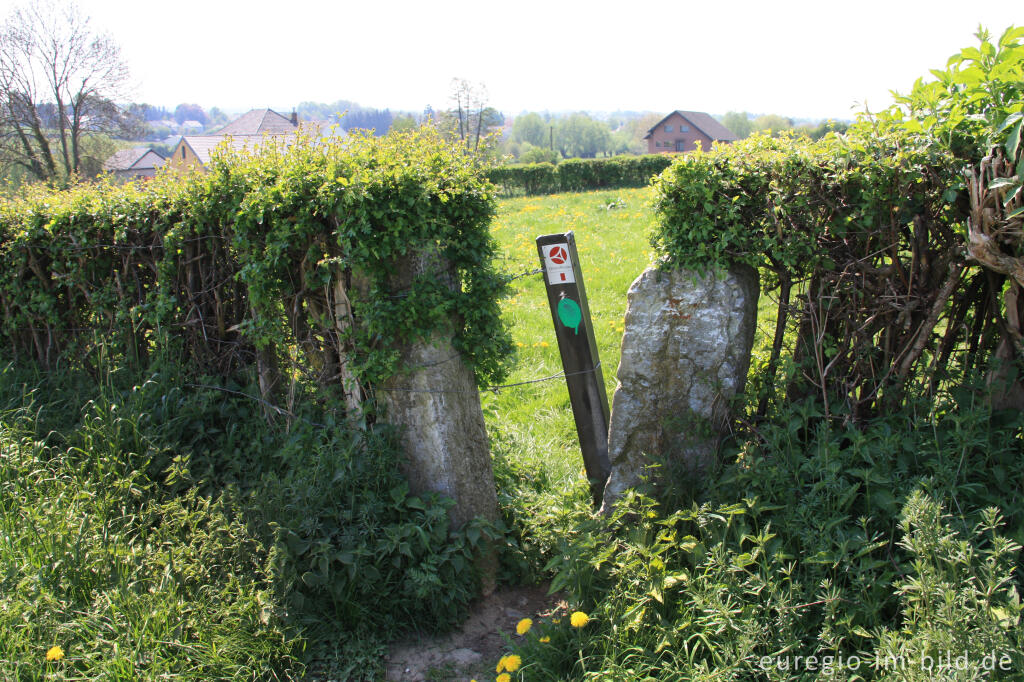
(260, 254)
(578, 175)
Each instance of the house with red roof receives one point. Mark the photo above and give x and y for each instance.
(684, 131)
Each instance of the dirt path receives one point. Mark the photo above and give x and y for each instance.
(472, 651)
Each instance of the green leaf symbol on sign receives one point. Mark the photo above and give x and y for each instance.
(570, 314)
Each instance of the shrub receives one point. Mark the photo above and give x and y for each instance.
(816, 541)
(296, 253)
(539, 155)
(529, 179)
(163, 529)
(578, 175)
(869, 228)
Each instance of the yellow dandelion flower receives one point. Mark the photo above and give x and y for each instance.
(543, 344)
(556, 621)
(55, 653)
(501, 664)
(523, 626)
(545, 639)
(579, 619)
(504, 677)
(512, 663)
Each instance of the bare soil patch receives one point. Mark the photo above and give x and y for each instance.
(472, 651)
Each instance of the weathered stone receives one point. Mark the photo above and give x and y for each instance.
(685, 354)
(437, 406)
(435, 402)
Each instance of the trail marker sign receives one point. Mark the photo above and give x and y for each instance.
(570, 313)
(558, 263)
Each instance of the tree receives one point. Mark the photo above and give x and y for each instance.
(739, 123)
(773, 124)
(470, 117)
(404, 123)
(189, 112)
(629, 138)
(580, 136)
(59, 80)
(530, 128)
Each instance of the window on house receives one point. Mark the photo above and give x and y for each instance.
(668, 129)
(183, 152)
(684, 129)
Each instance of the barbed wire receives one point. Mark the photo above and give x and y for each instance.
(116, 247)
(535, 271)
(277, 409)
(493, 389)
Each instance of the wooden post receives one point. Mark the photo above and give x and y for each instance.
(570, 312)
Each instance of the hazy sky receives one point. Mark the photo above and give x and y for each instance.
(805, 59)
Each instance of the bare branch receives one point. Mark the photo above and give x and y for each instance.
(59, 84)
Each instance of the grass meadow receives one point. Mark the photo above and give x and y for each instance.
(612, 236)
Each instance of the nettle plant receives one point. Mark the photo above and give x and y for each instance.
(315, 259)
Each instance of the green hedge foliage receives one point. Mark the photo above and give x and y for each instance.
(905, 263)
(578, 175)
(864, 232)
(301, 251)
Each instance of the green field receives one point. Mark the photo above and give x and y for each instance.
(614, 249)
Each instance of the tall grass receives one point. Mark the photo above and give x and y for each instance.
(153, 530)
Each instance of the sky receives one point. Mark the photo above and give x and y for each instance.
(802, 59)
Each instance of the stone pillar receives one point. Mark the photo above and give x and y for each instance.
(685, 354)
(435, 401)
(437, 406)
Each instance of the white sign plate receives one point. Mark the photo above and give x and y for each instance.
(558, 263)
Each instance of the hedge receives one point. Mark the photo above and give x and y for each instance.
(578, 175)
(868, 228)
(290, 255)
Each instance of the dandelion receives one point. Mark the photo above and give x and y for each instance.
(578, 619)
(523, 626)
(543, 344)
(545, 639)
(512, 663)
(504, 677)
(55, 653)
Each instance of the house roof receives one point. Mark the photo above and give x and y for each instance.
(259, 122)
(133, 159)
(204, 145)
(702, 122)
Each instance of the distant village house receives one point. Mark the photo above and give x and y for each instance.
(684, 131)
(134, 163)
(247, 131)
